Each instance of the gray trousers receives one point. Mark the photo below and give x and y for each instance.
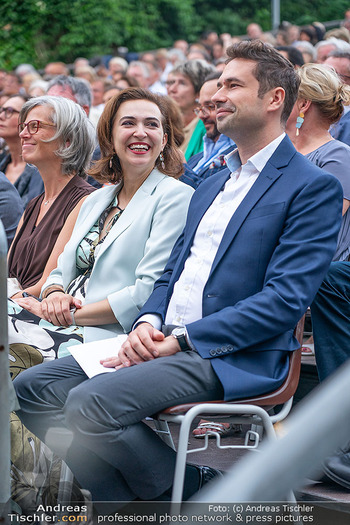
(96, 424)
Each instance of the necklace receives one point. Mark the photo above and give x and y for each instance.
(45, 203)
(113, 220)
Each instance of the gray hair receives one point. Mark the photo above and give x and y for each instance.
(79, 86)
(176, 55)
(305, 47)
(195, 71)
(74, 132)
(24, 69)
(120, 61)
(339, 44)
(143, 66)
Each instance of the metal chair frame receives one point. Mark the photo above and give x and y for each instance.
(257, 411)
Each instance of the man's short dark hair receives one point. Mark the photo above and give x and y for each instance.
(212, 76)
(272, 70)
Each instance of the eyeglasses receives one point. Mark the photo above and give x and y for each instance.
(8, 112)
(205, 109)
(33, 126)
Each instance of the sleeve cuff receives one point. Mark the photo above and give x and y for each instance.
(153, 319)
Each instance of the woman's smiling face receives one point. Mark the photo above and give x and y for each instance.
(138, 135)
(34, 149)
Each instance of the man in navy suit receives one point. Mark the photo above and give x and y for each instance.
(215, 145)
(237, 282)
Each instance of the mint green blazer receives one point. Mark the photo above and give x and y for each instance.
(134, 253)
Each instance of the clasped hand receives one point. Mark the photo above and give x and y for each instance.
(55, 309)
(143, 344)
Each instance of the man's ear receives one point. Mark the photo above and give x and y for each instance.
(86, 109)
(276, 99)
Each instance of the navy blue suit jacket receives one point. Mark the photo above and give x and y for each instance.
(270, 263)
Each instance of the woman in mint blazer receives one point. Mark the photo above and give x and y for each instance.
(123, 235)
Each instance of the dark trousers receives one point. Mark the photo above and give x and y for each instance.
(96, 424)
(330, 313)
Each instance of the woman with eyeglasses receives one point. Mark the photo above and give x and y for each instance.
(121, 241)
(25, 177)
(124, 233)
(56, 137)
(183, 84)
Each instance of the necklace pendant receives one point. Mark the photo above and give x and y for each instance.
(46, 202)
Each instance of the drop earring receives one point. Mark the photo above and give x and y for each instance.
(299, 123)
(111, 162)
(161, 158)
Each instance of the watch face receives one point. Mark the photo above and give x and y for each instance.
(179, 331)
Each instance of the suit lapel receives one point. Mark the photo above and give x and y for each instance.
(271, 172)
(134, 209)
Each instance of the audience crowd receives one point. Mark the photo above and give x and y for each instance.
(128, 126)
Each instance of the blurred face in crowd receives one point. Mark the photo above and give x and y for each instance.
(97, 88)
(65, 92)
(9, 117)
(323, 52)
(181, 89)
(11, 84)
(207, 111)
(342, 67)
(61, 91)
(110, 93)
(138, 74)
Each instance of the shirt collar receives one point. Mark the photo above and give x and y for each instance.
(258, 160)
(222, 140)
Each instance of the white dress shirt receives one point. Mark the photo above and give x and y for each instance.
(185, 305)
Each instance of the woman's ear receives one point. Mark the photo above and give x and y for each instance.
(165, 140)
(303, 105)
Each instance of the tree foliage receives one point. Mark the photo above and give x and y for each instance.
(38, 31)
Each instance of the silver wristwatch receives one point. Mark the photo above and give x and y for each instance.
(180, 333)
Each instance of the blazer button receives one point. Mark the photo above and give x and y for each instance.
(218, 351)
(229, 348)
(212, 352)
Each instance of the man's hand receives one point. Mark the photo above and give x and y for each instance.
(143, 344)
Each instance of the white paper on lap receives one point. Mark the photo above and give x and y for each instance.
(88, 355)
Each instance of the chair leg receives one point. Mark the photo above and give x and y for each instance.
(180, 466)
(163, 431)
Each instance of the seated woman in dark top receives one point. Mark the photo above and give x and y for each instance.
(25, 177)
(58, 138)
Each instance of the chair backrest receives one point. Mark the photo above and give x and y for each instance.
(278, 396)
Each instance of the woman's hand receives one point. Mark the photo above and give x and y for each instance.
(31, 304)
(17, 296)
(56, 308)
